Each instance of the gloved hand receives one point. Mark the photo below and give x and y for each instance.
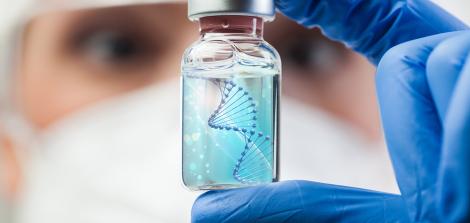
(424, 93)
(412, 125)
(371, 27)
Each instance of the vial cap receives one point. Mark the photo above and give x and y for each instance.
(203, 8)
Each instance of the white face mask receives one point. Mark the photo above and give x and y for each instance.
(115, 162)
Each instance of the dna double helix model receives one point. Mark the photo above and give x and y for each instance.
(237, 112)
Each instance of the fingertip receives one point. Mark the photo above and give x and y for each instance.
(443, 69)
(228, 205)
(394, 76)
(396, 63)
(453, 191)
(242, 204)
(202, 210)
(387, 64)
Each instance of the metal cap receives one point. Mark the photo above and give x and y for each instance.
(202, 8)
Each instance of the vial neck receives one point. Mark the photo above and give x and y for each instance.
(231, 24)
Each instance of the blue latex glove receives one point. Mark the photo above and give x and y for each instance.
(424, 93)
(371, 28)
(298, 201)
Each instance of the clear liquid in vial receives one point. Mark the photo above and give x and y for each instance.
(229, 128)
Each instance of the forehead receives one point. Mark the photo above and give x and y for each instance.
(16, 13)
(157, 20)
(150, 13)
(35, 8)
(100, 3)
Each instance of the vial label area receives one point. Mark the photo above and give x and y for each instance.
(228, 130)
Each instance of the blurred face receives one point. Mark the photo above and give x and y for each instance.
(72, 59)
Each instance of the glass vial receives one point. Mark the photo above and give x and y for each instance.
(230, 95)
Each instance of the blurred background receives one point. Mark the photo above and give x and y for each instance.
(89, 111)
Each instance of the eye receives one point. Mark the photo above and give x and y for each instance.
(115, 47)
(111, 46)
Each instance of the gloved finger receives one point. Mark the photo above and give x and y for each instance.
(411, 123)
(372, 27)
(454, 178)
(298, 201)
(444, 67)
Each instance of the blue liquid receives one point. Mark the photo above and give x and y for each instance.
(229, 130)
